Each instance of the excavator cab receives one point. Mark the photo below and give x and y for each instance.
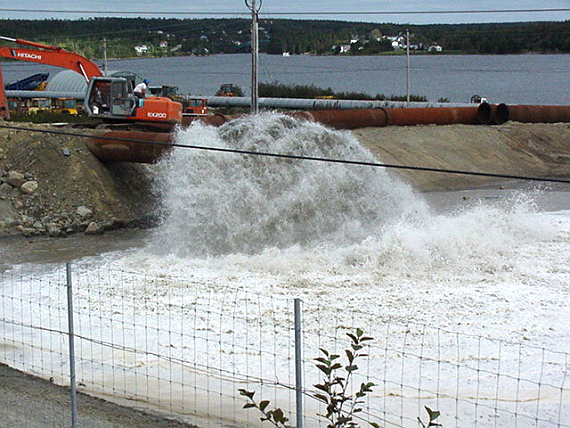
(112, 99)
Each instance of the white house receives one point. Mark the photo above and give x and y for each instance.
(435, 48)
(141, 49)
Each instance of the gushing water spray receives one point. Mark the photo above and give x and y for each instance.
(221, 203)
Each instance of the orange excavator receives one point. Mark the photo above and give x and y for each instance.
(109, 98)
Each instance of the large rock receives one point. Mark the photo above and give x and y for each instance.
(5, 188)
(94, 229)
(84, 212)
(29, 187)
(15, 178)
(53, 229)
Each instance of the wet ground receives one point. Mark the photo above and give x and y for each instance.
(29, 402)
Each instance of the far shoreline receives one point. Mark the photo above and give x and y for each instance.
(403, 53)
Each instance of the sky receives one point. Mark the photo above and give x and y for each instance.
(292, 8)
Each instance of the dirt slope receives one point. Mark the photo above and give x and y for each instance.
(541, 150)
(72, 188)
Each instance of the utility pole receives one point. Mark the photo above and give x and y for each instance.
(105, 56)
(407, 68)
(251, 5)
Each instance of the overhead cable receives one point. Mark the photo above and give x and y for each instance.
(389, 12)
(296, 157)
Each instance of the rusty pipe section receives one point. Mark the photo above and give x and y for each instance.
(437, 116)
(338, 119)
(531, 114)
(113, 146)
(213, 120)
(375, 117)
(345, 119)
(362, 118)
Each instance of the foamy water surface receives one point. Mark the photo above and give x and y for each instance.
(353, 237)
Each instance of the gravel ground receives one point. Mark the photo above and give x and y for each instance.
(29, 402)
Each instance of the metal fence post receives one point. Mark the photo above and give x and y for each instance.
(298, 364)
(71, 348)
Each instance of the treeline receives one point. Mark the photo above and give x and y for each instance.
(282, 90)
(129, 37)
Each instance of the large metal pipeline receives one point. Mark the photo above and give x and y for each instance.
(320, 104)
(437, 116)
(79, 96)
(114, 146)
(378, 117)
(531, 114)
(339, 119)
(346, 119)
(353, 119)
(124, 151)
(115, 151)
(212, 120)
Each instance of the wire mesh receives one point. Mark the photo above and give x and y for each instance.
(185, 349)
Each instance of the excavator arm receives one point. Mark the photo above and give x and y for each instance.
(50, 55)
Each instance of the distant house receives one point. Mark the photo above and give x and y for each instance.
(141, 49)
(435, 48)
(163, 44)
(344, 48)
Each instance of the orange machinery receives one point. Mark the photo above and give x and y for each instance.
(4, 110)
(109, 98)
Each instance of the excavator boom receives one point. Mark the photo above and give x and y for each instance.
(33, 44)
(61, 58)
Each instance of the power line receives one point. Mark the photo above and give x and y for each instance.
(296, 157)
(390, 12)
(121, 12)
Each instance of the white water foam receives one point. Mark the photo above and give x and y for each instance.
(348, 236)
(226, 203)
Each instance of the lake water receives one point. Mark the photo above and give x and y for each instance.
(517, 79)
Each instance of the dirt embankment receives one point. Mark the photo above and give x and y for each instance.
(539, 150)
(53, 185)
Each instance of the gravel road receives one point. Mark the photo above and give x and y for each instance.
(29, 402)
